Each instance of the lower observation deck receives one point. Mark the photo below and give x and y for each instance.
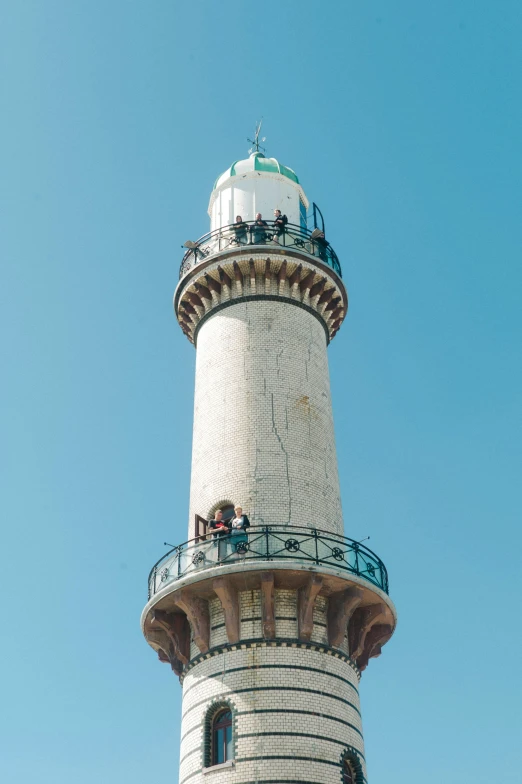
(304, 568)
(296, 544)
(312, 243)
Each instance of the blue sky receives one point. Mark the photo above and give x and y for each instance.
(403, 122)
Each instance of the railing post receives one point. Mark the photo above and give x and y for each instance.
(316, 546)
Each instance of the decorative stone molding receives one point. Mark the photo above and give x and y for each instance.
(229, 599)
(379, 634)
(219, 505)
(177, 630)
(285, 275)
(162, 644)
(361, 622)
(341, 607)
(197, 612)
(309, 673)
(281, 643)
(216, 768)
(267, 605)
(216, 705)
(305, 606)
(353, 756)
(353, 609)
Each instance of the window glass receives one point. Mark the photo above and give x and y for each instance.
(222, 738)
(302, 214)
(220, 746)
(348, 777)
(228, 743)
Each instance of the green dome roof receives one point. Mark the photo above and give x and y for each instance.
(257, 162)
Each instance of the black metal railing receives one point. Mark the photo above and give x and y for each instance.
(250, 233)
(269, 543)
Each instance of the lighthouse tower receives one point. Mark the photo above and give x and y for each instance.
(270, 629)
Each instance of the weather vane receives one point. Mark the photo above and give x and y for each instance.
(255, 141)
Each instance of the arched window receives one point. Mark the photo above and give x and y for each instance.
(351, 767)
(228, 512)
(222, 737)
(348, 775)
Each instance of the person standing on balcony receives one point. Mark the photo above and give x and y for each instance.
(322, 245)
(280, 222)
(218, 526)
(219, 529)
(260, 227)
(240, 230)
(238, 526)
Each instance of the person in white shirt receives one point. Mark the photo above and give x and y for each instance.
(238, 526)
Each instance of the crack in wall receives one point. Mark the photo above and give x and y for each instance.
(309, 357)
(279, 354)
(274, 430)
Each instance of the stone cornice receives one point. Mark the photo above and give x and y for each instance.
(353, 610)
(234, 276)
(335, 578)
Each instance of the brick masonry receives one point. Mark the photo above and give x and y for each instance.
(289, 277)
(295, 713)
(296, 710)
(263, 425)
(264, 438)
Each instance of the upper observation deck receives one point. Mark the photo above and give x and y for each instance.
(266, 241)
(250, 233)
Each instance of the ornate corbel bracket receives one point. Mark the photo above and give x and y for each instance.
(162, 644)
(177, 629)
(305, 606)
(198, 616)
(229, 599)
(361, 622)
(341, 607)
(378, 635)
(267, 605)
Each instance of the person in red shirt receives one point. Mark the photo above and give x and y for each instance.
(218, 526)
(220, 529)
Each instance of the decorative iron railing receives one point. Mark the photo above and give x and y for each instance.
(250, 233)
(269, 543)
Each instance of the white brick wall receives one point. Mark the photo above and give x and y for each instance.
(285, 608)
(250, 608)
(264, 438)
(274, 690)
(263, 427)
(218, 634)
(320, 632)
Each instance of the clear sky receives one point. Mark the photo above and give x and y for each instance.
(403, 121)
